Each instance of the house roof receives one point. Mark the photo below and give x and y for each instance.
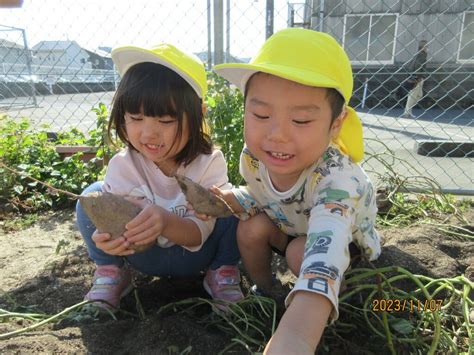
(98, 52)
(10, 44)
(54, 45)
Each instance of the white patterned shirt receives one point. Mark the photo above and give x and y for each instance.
(331, 204)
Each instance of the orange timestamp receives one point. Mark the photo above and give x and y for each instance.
(402, 305)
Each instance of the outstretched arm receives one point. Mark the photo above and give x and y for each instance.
(301, 326)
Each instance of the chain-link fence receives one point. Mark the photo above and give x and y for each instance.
(55, 63)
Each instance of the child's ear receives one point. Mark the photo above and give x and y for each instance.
(337, 123)
(204, 108)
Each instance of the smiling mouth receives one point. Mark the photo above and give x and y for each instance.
(153, 147)
(280, 155)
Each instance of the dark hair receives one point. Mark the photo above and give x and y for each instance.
(155, 90)
(336, 100)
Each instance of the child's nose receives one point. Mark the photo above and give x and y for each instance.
(278, 131)
(150, 127)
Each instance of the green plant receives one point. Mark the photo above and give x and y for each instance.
(99, 138)
(31, 151)
(404, 200)
(431, 318)
(250, 322)
(225, 115)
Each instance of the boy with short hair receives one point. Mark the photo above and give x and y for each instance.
(307, 197)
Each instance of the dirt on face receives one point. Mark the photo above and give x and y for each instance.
(45, 268)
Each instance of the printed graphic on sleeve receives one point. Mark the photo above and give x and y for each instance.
(331, 195)
(320, 268)
(322, 278)
(337, 208)
(317, 243)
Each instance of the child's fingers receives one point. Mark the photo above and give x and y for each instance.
(216, 191)
(118, 246)
(202, 216)
(126, 252)
(100, 237)
(122, 250)
(148, 234)
(151, 239)
(147, 228)
(138, 220)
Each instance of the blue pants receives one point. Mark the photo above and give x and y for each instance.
(219, 249)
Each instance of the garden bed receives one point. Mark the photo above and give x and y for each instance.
(45, 269)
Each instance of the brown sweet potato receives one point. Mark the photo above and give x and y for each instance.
(110, 213)
(202, 200)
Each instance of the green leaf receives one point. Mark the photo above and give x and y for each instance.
(401, 325)
(18, 189)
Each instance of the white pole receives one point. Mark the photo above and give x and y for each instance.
(364, 95)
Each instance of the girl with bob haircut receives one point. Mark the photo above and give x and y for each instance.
(158, 112)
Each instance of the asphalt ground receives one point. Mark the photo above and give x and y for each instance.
(384, 131)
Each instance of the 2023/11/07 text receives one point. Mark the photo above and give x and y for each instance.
(402, 305)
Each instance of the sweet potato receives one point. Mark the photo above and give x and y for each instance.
(202, 200)
(110, 213)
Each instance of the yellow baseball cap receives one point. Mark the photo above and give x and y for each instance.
(310, 58)
(188, 66)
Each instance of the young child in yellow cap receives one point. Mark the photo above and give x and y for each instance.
(307, 197)
(158, 113)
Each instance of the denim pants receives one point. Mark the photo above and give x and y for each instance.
(219, 249)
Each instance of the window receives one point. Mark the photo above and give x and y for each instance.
(370, 38)
(466, 43)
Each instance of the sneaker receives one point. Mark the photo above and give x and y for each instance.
(223, 283)
(110, 283)
(257, 291)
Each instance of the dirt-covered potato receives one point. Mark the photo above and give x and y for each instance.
(110, 213)
(202, 200)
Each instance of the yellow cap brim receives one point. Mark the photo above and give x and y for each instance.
(239, 73)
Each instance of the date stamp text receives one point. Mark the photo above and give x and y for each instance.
(402, 305)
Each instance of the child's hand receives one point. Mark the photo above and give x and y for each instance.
(119, 246)
(147, 226)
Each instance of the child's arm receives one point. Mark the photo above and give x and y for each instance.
(301, 326)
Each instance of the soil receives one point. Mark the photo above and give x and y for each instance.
(45, 268)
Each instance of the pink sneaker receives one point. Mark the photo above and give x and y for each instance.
(223, 283)
(110, 283)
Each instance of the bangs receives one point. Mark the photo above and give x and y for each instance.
(154, 90)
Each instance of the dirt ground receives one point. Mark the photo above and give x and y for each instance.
(45, 268)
